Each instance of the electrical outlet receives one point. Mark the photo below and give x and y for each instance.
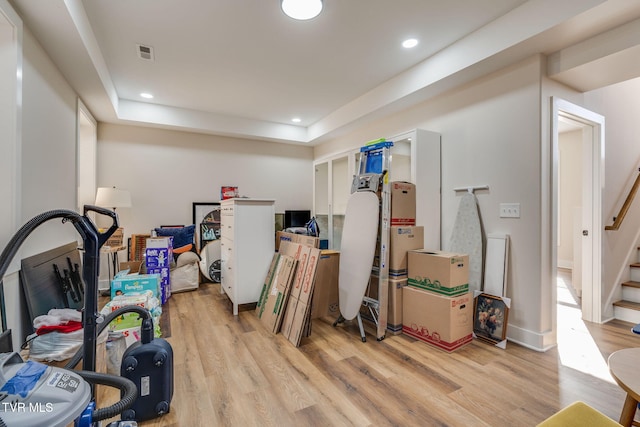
(509, 210)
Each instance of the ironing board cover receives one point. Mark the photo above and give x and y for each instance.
(357, 249)
(466, 238)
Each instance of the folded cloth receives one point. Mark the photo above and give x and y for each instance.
(70, 326)
(57, 316)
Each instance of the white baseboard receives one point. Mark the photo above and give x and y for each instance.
(532, 340)
(563, 263)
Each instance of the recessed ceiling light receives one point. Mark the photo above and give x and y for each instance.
(146, 95)
(301, 9)
(296, 120)
(409, 43)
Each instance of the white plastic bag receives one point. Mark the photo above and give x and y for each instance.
(57, 346)
(185, 278)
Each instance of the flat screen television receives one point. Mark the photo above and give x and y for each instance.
(296, 218)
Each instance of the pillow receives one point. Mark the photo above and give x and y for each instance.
(187, 258)
(182, 237)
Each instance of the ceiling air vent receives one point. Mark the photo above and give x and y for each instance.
(145, 52)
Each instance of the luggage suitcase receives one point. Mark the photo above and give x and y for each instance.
(149, 364)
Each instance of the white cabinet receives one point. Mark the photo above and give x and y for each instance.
(247, 244)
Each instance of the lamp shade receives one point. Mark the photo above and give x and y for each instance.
(301, 9)
(112, 197)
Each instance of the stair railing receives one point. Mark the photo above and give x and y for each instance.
(617, 220)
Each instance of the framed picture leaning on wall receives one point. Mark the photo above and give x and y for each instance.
(206, 217)
(490, 317)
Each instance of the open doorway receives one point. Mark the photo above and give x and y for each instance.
(578, 160)
(571, 152)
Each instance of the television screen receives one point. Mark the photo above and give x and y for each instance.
(296, 218)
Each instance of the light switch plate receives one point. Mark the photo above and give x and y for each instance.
(509, 210)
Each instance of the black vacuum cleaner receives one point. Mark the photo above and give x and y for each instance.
(36, 395)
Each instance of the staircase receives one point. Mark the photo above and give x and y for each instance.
(628, 308)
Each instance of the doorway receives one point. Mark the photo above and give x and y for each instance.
(578, 167)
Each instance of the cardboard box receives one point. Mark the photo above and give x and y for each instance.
(325, 291)
(298, 309)
(132, 266)
(298, 321)
(159, 251)
(305, 277)
(401, 240)
(165, 281)
(441, 272)
(289, 315)
(116, 239)
(274, 302)
(444, 322)
(228, 192)
(394, 303)
(267, 283)
(136, 283)
(282, 236)
(403, 203)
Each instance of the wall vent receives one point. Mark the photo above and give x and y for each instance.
(145, 52)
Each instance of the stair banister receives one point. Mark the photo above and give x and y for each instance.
(617, 220)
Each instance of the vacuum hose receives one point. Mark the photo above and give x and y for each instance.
(92, 240)
(143, 312)
(16, 241)
(128, 388)
(131, 392)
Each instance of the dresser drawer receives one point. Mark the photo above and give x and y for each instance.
(226, 210)
(227, 227)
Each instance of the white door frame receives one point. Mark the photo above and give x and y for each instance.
(593, 185)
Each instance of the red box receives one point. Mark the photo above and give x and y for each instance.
(228, 192)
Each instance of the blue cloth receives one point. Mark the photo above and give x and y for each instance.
(25, 379)
(182, 236)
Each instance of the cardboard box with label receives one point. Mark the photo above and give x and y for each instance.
(136, 283)
(273, 303)
(401, 241)
(267, 283)
(158, 252)
(165, 281)
(283, 236)
(444, 322)
(394, 306)
(444, 273)
(403, 203)
(299, 305)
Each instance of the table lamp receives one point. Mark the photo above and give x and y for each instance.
(112, 197)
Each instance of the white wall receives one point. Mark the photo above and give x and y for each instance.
(48, 162)
(491, 134)
(166, 171)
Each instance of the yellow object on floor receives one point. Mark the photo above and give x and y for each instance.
(578, 414)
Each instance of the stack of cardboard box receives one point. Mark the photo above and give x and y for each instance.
(437, 304)
(285, 301)
(404, 235)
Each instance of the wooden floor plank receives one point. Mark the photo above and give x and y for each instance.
(229, 371)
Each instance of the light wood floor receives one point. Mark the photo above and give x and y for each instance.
(230, 372)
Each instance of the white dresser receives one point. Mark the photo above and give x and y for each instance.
(247, 245)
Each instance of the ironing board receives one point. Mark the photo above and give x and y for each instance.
(467, 238)
(357, 249)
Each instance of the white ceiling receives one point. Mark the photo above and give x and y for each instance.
(242, 68)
